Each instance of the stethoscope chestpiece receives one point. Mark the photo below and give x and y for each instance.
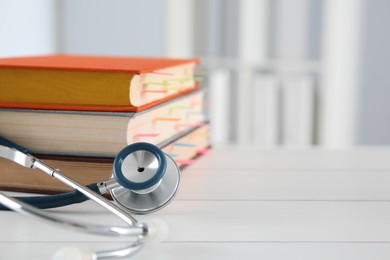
(139, 166)
(149, 178)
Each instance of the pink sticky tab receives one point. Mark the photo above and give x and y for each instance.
(203, 151)
(162, 73)
(185, 162)
(199, 103)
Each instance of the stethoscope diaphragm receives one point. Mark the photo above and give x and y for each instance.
(159, 195)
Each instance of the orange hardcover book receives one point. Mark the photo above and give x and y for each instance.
(93, 83)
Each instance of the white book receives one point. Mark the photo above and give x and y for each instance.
(266, 110)
(297, 111)
(220, 116)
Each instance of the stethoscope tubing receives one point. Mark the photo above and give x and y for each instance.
(132, 229)
(33, 206)
(26, 209)
(22, 156)
(56, 201)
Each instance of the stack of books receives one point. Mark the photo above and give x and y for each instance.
(78, 112)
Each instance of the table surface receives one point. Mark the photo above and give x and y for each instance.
(248, 203)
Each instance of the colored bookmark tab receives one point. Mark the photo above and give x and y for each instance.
(180, 80)
(145, 135)
(184, 79)
(203, 151)
(177, 126)
(185, 162)
(199, 103)
(162, 73)
(174, 88)
(167, 119)
(183, 144)
(204, 133)
(164, 83)
(154, 91)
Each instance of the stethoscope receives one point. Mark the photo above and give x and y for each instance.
(144, 180)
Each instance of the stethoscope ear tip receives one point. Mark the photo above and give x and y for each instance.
(74, 253)
(158, 231)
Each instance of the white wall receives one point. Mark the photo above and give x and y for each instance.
(119, 27)
(27, 27)
(290, 30)
(374, 122)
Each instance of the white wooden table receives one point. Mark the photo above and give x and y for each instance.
(246, 203)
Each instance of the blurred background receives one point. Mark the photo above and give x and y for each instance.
(291, 73)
